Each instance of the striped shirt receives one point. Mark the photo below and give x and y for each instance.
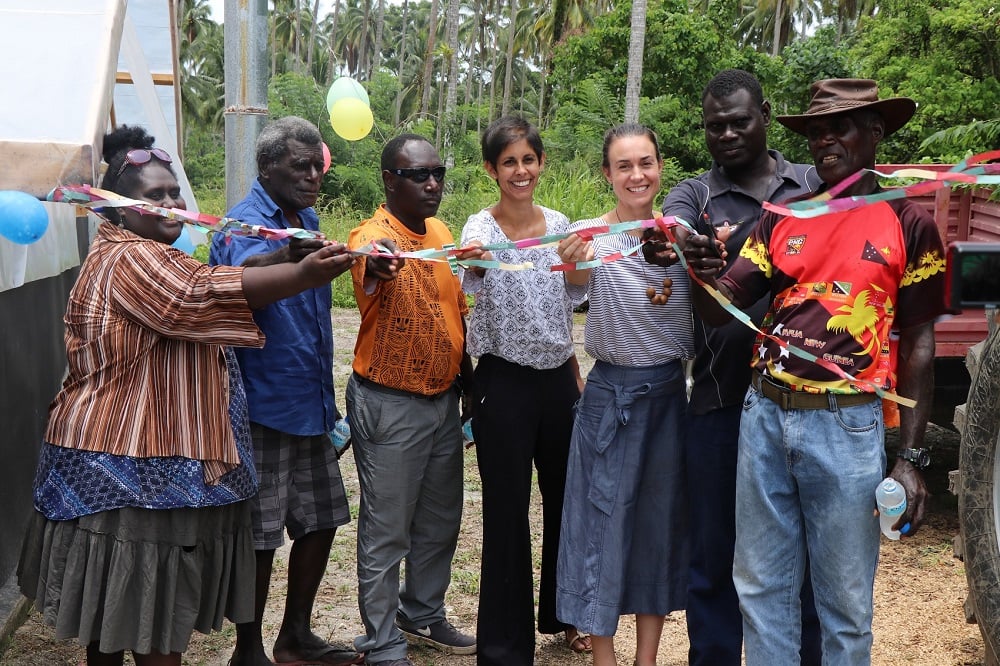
(623, 326)
(145, 325)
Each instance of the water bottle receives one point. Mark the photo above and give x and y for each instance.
(891, 500)
(467, 438)
(341, 436)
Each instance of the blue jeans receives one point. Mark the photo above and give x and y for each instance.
(714, 622)
(805, 482)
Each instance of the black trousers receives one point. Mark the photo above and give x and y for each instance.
(523, 419)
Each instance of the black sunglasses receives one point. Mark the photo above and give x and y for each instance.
(421, 174)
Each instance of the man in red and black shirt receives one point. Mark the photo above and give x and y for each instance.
(858, 291)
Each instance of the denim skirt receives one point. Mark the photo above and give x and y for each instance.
(623, 545)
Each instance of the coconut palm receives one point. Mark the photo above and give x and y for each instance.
(637, 38)
(425, 79)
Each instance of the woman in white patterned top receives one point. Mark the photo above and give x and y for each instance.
(527, 380)
(623, 547)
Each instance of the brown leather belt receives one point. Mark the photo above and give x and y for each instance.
(787, 399)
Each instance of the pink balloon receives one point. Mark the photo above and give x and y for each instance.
(327, 159)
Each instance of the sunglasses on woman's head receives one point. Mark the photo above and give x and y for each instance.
(421, 174)
(140, 156)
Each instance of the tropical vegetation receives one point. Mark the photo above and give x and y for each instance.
(446, 68)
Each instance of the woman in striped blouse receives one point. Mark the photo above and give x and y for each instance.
(141, 532)
(622, 546)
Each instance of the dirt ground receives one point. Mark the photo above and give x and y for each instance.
(919, 589)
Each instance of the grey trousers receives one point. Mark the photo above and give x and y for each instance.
(408, 452)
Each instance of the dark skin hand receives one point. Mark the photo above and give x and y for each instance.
(385, 268)
(657, 250)
(915, 373)
(263, 285)
(294, 251)
(706, 258)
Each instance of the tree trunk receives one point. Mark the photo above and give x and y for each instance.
(636, 43)
(295, 37)
(776, 43)
(377, 55)
(313, 34)
(364, 66)
(508, 73)
(402, 63)
(425, 81)
(451, 99)
(333, 43)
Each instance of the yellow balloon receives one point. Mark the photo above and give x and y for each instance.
(351, 118)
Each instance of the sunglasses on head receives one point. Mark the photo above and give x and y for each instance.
(140, 156)
(421, 174)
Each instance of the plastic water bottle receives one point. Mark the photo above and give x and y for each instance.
(891, 500)
(341, 436)
(467, 438)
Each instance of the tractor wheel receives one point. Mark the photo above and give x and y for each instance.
(979, 496)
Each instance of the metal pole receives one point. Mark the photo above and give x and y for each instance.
(245, 34)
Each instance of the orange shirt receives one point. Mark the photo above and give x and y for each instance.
(412, 334)
(145, 325)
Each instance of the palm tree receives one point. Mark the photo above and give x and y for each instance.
(451, 58)
(637, 38)
(511, 41)
(575, 15)
(425, 80)
(771, 24)
(379, 26)
(331, 42)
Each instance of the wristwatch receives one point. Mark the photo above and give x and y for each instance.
(919, 458)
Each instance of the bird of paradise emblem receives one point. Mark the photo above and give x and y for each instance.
(859, 318)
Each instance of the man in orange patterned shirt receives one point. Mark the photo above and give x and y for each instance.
(403, 407)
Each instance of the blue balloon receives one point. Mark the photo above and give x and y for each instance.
(183, 242)
(23, 218)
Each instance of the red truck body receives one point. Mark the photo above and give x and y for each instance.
(962, 214)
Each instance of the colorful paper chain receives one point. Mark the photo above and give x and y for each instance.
(972, 171)
(89, 197)
(93, 198)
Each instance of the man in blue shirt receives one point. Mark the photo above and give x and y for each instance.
(289, 386)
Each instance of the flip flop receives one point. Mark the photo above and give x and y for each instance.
(579, 643)
(331, 656)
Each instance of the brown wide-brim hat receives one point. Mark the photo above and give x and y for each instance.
(833, 96)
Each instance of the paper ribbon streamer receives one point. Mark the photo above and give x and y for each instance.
(973, 171)
(93, 197)
(450, 254)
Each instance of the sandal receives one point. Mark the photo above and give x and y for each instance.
(577, 641)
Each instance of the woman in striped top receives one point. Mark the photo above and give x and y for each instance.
(141, 532)
(622, 546)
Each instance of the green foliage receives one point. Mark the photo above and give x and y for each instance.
(956, 143)
(945, 55)
(683, 51)
(204, 158)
